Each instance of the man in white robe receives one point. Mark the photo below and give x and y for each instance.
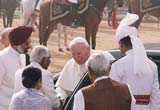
(40, 58)
(75, 68)
(135, 68)
(11, 59)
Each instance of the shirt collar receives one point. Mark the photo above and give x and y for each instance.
(35, 64)
(100, 78)
(13, 51)
(34, 91)
(129, 51)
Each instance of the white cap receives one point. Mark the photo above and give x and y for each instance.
(140, 58)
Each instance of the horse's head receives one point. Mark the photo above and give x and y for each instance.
(119, 3)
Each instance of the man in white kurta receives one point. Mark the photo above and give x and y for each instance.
(10, 62)
(75, 68)
(39, 56)
(135, 68)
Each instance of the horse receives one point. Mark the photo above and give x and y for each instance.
(29, 14)
(8, 8)
(90, 19)
(134, 7)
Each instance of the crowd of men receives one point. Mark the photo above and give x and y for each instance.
(129, 83)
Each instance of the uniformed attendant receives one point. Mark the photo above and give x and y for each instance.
(135, 68)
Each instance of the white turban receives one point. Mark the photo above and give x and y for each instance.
(140, 58)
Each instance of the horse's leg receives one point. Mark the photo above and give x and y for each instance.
(139, 20)
(65, 36)
(10, 15)
(72, 32)
(32, 19)
(109, 17)
(26, 18)
(47, 34)
(4, 18)
(87, 34)
(42, 31)
(93, 34)
(59, 30)
(36, 24)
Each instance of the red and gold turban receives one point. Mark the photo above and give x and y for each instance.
(20, 34)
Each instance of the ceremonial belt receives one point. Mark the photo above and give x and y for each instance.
(142, 99)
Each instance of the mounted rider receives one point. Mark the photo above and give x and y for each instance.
(74, 8)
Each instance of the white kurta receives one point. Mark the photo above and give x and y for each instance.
(47, 84)
(122, 70)
(10, 62)
(71, 75)
(79, 102)
(30, 99)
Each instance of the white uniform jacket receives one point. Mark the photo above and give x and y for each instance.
(123, 71)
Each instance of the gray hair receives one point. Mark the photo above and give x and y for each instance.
(38, 53)
(99, 64)
(4, 32)
(78, 40)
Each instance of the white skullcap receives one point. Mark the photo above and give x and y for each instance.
(78, 40)
(140, 58)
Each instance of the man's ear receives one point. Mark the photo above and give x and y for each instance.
(42, 63)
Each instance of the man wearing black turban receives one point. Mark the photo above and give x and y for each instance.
(11, 59)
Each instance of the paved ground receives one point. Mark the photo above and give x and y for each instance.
(149, 33)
